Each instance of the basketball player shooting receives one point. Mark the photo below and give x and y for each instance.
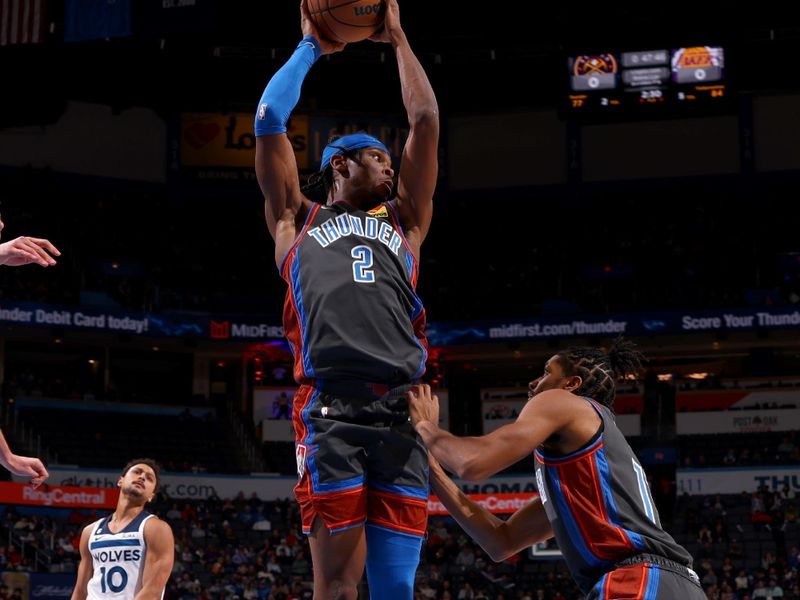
(355, 323)
(127, 555)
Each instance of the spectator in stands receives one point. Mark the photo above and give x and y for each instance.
(65, 542)
(704, 535)
(768, 561)
(13, 557)
(758, 511)
(281, 407)
(261, 523)
(283, 552)
(200, 529)
(690, 516)
(707, 575)
(786, 492)
(760, 592)
(720, 533)
(742, 581)
(425, 590)
(774, 590)
(465, 558)
(718, 505)
(794, 558)
(174, 513)
(189, 513)
(22, 525)
(254, 502)
(786, 447)
(726, 592)
(228, 508)
(273, 567)
(466, 592)
(301, 567)
(712, 592)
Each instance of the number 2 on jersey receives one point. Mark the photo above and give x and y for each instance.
(362, 273)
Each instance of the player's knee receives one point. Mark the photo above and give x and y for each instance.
(338, 589)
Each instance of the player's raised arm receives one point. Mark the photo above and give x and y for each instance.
(276, 166)
(419, 165)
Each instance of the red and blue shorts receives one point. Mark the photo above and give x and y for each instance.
(648, 582)
(359, 459)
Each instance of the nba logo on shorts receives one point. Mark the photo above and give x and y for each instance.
(262, 112)
(540, 486)
(300, 455)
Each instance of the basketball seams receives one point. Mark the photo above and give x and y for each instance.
(331, 31)
(322, 23)
(333, 15)
(334, 28)
(329, 7)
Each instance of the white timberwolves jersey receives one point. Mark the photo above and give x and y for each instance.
(117, 559)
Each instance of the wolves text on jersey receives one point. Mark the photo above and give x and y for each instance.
(127, 555)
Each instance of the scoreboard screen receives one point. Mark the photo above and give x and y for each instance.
(641, 81)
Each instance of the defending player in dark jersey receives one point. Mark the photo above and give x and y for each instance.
(355, 323)
(593, 493)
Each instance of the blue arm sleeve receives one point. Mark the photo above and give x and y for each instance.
(283, 90)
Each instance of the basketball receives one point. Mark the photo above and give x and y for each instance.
(347, 20)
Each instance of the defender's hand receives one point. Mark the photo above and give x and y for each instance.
(423, 406)
(26, 466)
(26, 250)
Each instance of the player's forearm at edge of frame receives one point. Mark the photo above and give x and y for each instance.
(500, 539)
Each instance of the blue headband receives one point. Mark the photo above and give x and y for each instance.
(355, 141)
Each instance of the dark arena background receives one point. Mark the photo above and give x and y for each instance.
(605, 169)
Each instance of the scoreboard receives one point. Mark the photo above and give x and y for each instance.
(646, 82)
